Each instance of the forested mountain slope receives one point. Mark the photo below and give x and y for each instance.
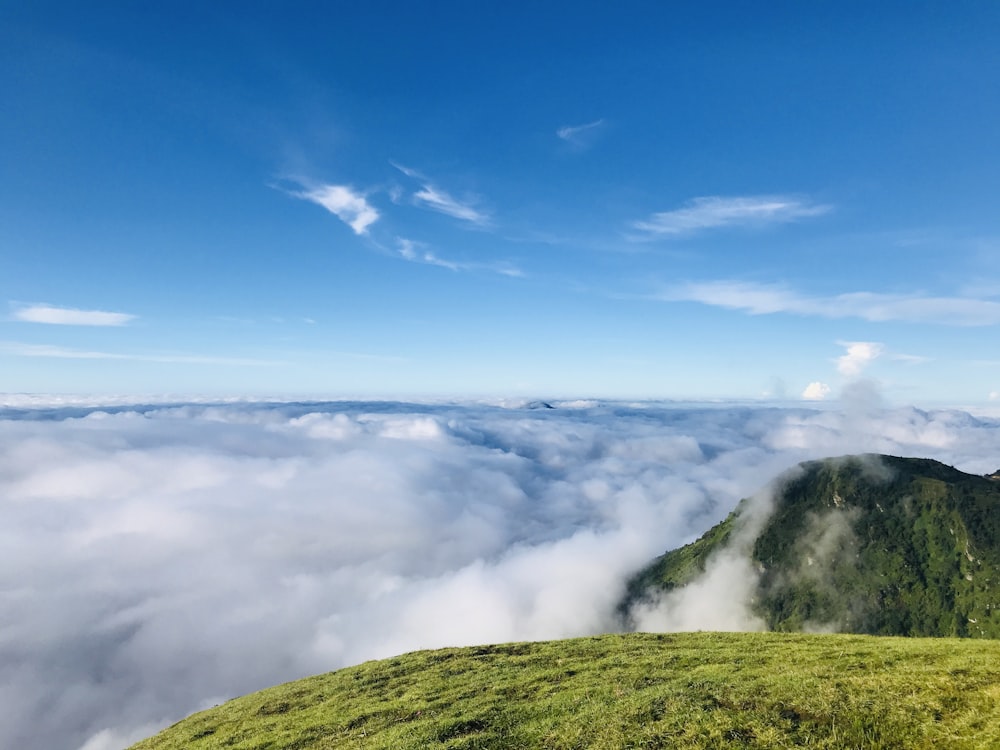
(860, 544)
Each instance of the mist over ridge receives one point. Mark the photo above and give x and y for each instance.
(162, 558)
(866, 544)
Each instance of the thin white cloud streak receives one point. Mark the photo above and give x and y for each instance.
(18, 349)
(416, 252)
(68, 316)
(908, 359)
(858, 356)
(712, 212)
(767, 299)
(344, 202)
(131, 596)
(440, 201)
(580, 136)
(432, 197)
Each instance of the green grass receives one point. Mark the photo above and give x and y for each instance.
(700, 690)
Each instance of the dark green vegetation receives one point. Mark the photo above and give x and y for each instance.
(863, 544)
(700, 690)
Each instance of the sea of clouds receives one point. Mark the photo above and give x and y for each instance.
(160, 559)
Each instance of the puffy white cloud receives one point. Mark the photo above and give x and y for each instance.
(816, 391)
(68, 316)
(715, 211)
(858, 356)
(156, 560)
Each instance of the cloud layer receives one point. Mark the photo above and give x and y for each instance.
(156, 560)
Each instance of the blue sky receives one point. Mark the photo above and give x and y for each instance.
(688, 200)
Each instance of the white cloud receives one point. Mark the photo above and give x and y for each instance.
(908, 359)
(816, 391)
(376, 528)
(417, 252)
(858, 356)
(436, 199)
(68, 316)
(440, 201)
(763, 299)
(18, 349)
(718, 600)
(721, 597)
(345, 203)
(580, 136)
(715, 211)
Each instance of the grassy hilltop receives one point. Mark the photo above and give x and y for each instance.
(700, 690)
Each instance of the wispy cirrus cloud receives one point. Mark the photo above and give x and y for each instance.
(766, 299)
(417, 252)
(344, 202)
(580, 136)
(19, 349)
(712, 212)
(433, 197)
(68, 316)
(440, 201)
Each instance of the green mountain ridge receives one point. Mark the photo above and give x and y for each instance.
(869, 544)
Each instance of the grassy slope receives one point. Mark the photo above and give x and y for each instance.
(701, 690)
